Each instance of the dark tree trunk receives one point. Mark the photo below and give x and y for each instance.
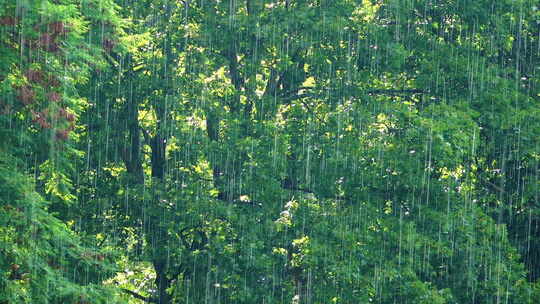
(158, 156)
(132, 154)
(162, 282)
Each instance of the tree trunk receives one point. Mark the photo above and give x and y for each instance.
(162, 282)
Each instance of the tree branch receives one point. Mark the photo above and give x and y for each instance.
(495, 186)
(139, 296)
(289, 185)
(395, 92)
(390, 92)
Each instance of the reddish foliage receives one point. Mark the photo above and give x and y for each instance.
(108, 45)
(57, 28)
(53, 48)
(8, 20)
(48, 43)
(54, 96)
(43, 123)
(45, 39)
(40, 119)
(54, 82)
(62, 134)
(34, 75)
(62, 113)
(35, 115)
(70, 117)
(26, 95)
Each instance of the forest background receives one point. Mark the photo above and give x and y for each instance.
(269, 151)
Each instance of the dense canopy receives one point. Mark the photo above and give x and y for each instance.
(269, 151)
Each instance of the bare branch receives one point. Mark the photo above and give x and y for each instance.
(495, 186)
(139, 296)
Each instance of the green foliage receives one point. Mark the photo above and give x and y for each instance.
(42, 260)
(270, 151)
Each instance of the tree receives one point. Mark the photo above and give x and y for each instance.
(299, 151)
(44, 57)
